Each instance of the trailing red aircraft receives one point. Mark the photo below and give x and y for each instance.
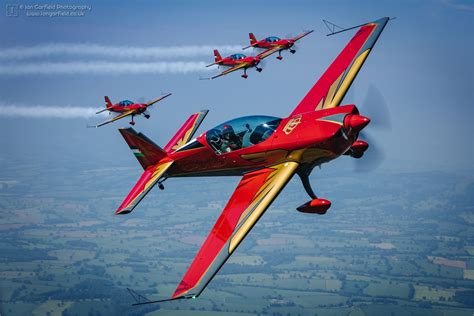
(127, 108)
(265, 151)
(238, 61)
(274, 43)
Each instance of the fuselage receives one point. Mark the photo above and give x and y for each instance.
(309, 138)
(237, 59)
(271, 42)
(119, 108)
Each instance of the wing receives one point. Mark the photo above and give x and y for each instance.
(228, 71)
(186, 131)
(300, 36)
(118, 117)
(330, 89)
(269, 51)
(254, 194)
(159, 99)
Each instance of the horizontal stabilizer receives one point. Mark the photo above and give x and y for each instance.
(145, 183)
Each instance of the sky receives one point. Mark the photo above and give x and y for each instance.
(54, 72)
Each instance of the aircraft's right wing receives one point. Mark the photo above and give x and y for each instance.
(330, 89)
(253, 195)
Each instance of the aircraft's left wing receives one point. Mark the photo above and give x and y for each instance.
(118, 117)
(254, 194)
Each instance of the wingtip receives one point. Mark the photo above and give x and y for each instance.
(123, 211)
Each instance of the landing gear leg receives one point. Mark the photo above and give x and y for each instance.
(245, 76)
(316, 205)
(279, 57)
(132, 122)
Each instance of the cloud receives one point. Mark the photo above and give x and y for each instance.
(42, 111)
(104, 51)
(102, 67)
(458, 6)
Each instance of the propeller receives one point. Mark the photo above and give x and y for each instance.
(375, 107)
(373, 157)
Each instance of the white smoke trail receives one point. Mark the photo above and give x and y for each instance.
(41, 111)
(85, 49)
(103, 67)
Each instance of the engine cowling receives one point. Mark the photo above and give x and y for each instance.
(316, 206)
(357, 149)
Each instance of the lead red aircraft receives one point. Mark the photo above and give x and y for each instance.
(273, 43)
(127, 108)
(238, 61)
(265, 151)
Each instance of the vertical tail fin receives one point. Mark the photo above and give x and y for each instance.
(108, 104)
(144, 149)
(252, 38)
(253, 41)
(217, 56)
(153, 160)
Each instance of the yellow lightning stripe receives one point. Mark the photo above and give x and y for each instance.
(348, 79)
(281, 175)
(156, 175)
(186, 136)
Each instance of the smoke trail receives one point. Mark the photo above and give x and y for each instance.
(113, 51)
(102, 67)
(41, 111)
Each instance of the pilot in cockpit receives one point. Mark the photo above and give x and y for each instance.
(230, 141)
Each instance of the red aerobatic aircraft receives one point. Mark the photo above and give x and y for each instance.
(273, 43)
(238, 61)
(127, 108)
(265, 151)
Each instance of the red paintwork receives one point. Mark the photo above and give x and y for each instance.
(310, 133)
(137, 107)
(223, 228)
(356, 122)
(250, 61)
(339, 65)
(315, 206)
(137, 188)
(359, 146)
(187, 126)
(283, 43)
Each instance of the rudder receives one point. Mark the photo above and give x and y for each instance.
(144, 149)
